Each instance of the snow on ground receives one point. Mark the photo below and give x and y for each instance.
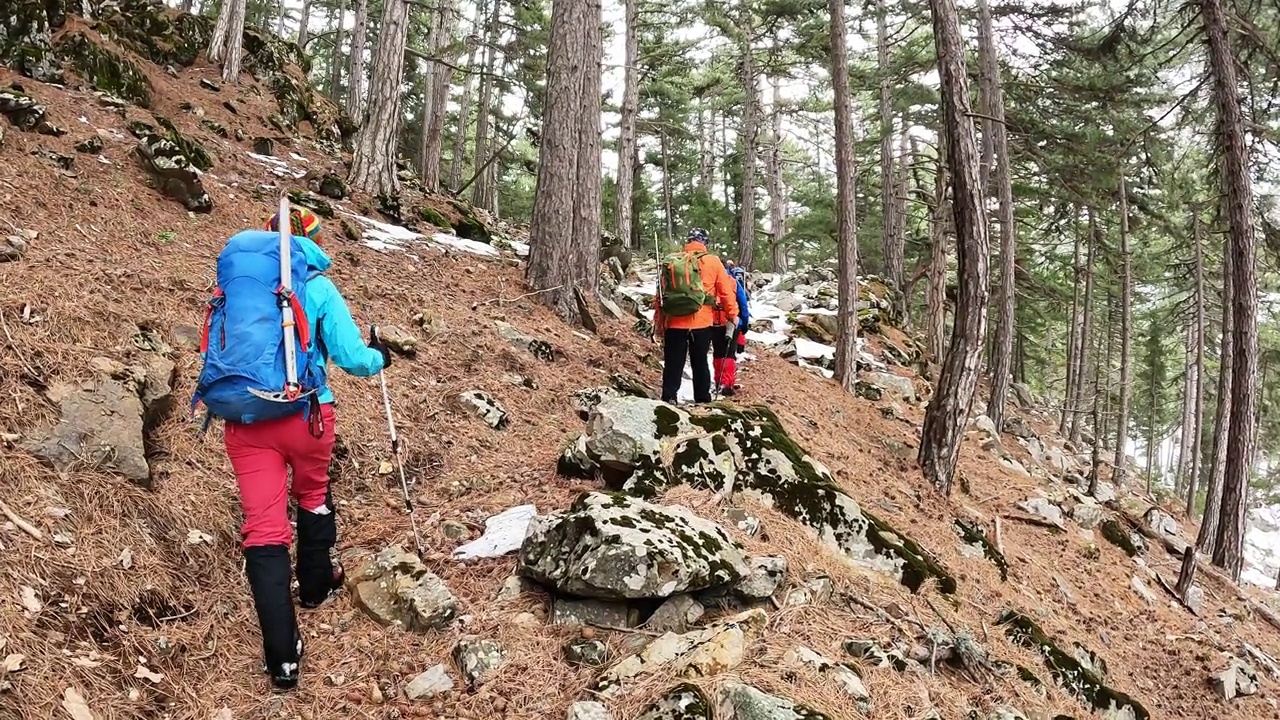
(385, 237)
(1262, 546)
(277, 166)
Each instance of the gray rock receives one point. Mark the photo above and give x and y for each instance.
(1005, 712)
(433, 682)
(623, 436)
(478, 659)
(744, 521)
(766, 574)
(585, 400)
(575, 461)
(1105, 492)
(1238, 680)
(1087, 515)
(1018, 427)
(814, 591)
(677, 614)
(736, 701)
(174, 173)
(683, 702)
(1195, 599)
(844, 677)
(704, 652)
(615, 547)
(585, 653)
(1022, 394)
(12, 248)
(1043, 509)
(1141, 588)
(485, 407)
(896, 385)
(787, 302)
(513, 587)
(985, 426)
(398, 339)
(105, 421)
(540, 349)
(1160, 522)
(610, 306)
(397, 590)
(588, 709)
(599, 613)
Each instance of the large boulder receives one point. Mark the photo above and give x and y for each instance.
(174, 173)
(643, 446)
(107, 421)
(25, 40)
(615, 547)
(705, 652)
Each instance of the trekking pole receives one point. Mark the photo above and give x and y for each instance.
(395, 450)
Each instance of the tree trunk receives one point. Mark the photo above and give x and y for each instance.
(846, 369)
(1003, 366)
(373, 163)
(355, 74)
(482, 193)
(1086, 322)
(624, 206)
(901, 191)
(750, 114)
(228, 35)
(438, 79)
(1073, 337)
(706, 148)
(304, 19)
(668, 213)
(1153, 448)
(1198, 359)
(1234, 157)
(1207, 540)
(335, 63)
(777, 204)
(565, 225)
(945, 419)
(280, 16)
(936, 293)
(892, 240)
(1095, 464)
(464, 106)
(1121, 459)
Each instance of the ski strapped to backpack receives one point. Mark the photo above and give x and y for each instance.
(256, 329)
(680, 284)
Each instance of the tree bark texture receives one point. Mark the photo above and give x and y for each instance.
(304, 19)
(892, 241)
(565, 225)
(624, 206)
(226, 45)
(458, 156)
(948, 410)
(355, 73)
(1074, 337)
(438, 79)
(1121, 460)
(373, 163)
(1002, 367)
(1197, 328)
(777, 201)
(750, 121)
(936, 293)
(1207, 540)
(846, 365)
(1086, 323)
(335, 60)
(483, 192)
(1233, 154)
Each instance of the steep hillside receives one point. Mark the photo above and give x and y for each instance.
(124, 595)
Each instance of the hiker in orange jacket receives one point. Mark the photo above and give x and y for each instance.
(689, 335)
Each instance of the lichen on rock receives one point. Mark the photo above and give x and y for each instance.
(174, 173)
(104, 69)
(614, 547)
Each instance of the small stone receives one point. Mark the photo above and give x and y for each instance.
(478, 659)
(396, 589)
(526, 620)
(91, 145)
(766, 574)
(1043, 509)
(1087, 515)
(1142, 590)
(744, 521)
(484, 406)
(210, 85)
(511, 588)
(454, 530)
(677, 614)
(584, 652)
(1238, 680)
(375, 694)
(587, 710)
(429, 684)
(12, 248)
(813, 591)
(397, 340)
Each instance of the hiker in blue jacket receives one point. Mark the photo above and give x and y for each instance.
(265, 440)
(725, 346)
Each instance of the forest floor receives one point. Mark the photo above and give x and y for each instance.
(134, 599)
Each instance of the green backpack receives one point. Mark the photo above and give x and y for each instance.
(680, 285)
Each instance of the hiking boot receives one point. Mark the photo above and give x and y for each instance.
(269, 575)
(728, 391)
(318, 577)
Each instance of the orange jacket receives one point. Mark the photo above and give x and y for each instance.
(718, 284)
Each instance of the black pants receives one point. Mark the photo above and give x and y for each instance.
(693, 344)
(723, 346)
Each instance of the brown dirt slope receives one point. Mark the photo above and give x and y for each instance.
(113, 256)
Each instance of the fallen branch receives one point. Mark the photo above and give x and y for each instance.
(1033, 520)
(999, 537)
(23, 525)
(500, 300)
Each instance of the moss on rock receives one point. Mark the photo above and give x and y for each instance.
(307, 200)
(1068, 672)
(973, 533)
(435, 218)
(469, 226)
(104, 69)
(26, 29)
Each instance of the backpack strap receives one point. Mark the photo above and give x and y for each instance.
(299, 316)
(213, 303)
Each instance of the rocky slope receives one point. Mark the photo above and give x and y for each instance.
(592, 552)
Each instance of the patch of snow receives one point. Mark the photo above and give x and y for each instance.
(503, 533)
(810, 350)
(296, 156)
(522, 249)
(1262, 546)
(766, 338)
(472, 246)
(385, 237)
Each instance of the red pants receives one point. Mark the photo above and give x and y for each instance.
(261, 454)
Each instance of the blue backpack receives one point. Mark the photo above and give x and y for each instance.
(244, 378)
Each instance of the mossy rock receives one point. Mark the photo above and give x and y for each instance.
(215, 127)
(1068, 672)
(307, 200)
(435, 217)
(1119, 535)
(155, 32)
(468, 226)
(91, 145)
(27, 114)
(190, 148)
(104, 69)
(26, 29)
(332, 186)
(973, 533)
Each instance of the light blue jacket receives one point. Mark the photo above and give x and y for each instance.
(335, 332)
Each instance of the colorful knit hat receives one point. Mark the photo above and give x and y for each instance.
(302, 222)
